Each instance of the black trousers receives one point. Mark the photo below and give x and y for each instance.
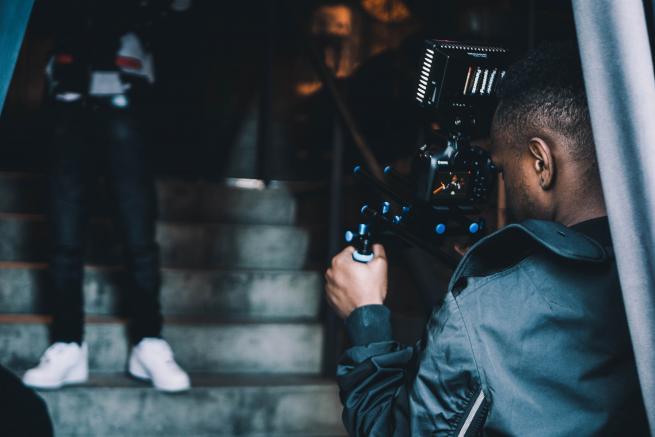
(89, 140)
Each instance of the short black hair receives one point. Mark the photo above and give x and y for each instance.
(545, 89)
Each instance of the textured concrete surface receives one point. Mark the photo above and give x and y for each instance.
(184, 200)
(224, 294)
(194, 245)
(242, 313)
(225, 347)
(254, 407)
(210, 202)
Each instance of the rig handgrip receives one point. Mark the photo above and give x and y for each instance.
(361, 241)
(362, 258)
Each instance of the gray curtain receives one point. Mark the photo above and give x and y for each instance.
(14, 15)
(620, 83)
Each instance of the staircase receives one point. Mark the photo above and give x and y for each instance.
(241, 297)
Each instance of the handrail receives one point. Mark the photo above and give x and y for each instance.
(327, 77)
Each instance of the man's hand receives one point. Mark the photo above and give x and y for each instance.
(350, 284)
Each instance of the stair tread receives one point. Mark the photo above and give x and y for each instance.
(246, 184)
(309, 268)
(40, 217)
(250, 200)
(218, 293)
(253, 406)
(228, 347)
(204, 245)
(29, 319)
(36, 265)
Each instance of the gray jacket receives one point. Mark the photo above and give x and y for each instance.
(531, 340)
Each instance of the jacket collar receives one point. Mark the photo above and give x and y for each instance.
(514, 242)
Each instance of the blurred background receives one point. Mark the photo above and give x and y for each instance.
(211, 66)
(251, 124)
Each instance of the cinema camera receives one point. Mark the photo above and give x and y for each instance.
(450, 178)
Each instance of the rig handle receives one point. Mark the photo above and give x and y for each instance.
(362, 242)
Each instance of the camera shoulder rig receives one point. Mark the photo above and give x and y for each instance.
(451, 179)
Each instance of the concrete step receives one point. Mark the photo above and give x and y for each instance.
(251, 406)
(245, 347)
(23, 237)
(224, 294)
(243, 201)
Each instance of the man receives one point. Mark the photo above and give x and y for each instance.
(532, 338)
(99, 74)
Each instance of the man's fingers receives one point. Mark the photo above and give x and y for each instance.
(349, 250)
(378, 251)
(345, 254)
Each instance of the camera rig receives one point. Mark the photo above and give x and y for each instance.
(451, 179)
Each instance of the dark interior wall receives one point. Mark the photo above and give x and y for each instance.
(209, 64)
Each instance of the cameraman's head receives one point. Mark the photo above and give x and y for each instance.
(542, 139)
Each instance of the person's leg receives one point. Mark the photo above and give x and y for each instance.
(65, 361)
(151, 357)
(134, 190)
(67, 221)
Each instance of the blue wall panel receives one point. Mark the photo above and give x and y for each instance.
(14, 15)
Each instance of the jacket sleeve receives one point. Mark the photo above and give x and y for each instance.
(388, 389)
(373, 376)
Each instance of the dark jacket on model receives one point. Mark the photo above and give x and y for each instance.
(531, 340)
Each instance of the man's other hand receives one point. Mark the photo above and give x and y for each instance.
(351, 284)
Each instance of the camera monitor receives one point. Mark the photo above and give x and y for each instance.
(456, 77)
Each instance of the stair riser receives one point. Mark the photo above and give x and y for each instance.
(182, 245)
(209, 294)
(179, 200)
(227, 411)
(230, 348)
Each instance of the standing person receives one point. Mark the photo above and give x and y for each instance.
(532, 338)
(98, 76)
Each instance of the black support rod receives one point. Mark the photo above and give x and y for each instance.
(265, 122)
(332, 331)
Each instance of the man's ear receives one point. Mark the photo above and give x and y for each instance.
(542, 162)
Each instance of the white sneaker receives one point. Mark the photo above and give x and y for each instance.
(61, 364)
(152, 360)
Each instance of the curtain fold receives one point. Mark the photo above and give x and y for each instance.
(620, 84)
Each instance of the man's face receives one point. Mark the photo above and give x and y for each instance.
(522, 194)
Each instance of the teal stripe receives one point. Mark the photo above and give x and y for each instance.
(14, 15)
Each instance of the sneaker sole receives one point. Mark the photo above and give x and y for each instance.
(66, 383)
(148, 380)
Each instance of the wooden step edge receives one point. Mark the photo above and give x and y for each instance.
(43, 319)
(37, 217)
(208, 380)
(27, 265)
(291, 186)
